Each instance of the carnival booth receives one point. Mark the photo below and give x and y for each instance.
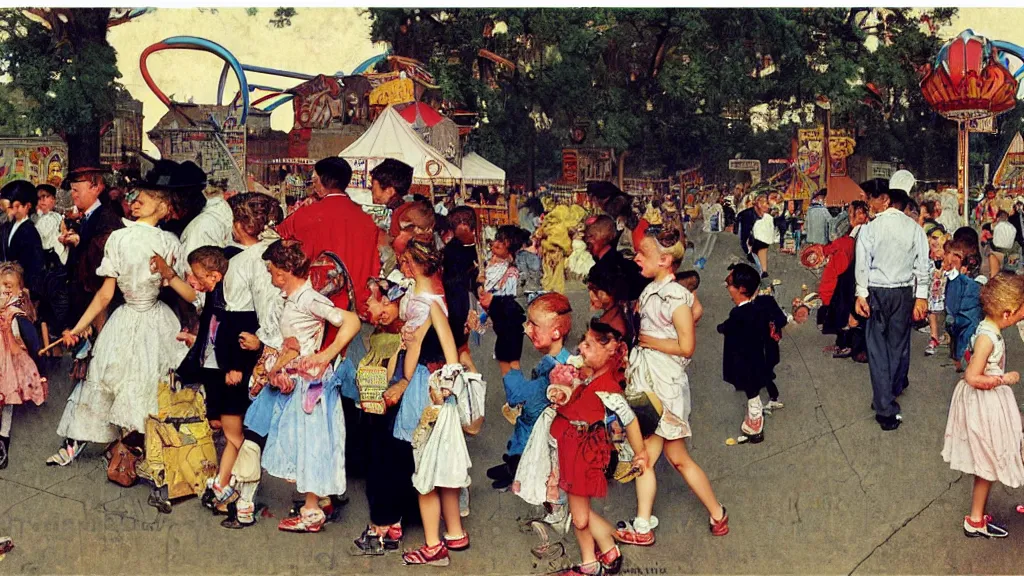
(478, 171)
(391, 136)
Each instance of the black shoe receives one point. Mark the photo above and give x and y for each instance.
(370, 543)
(843, 353)
(5, 446)
(764, 275)
(502, 483)
(888, 423)
(498, 472)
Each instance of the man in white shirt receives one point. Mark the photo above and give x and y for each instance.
(212, 227)
(818, 220)
(893, 271)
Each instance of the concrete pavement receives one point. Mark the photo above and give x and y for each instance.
(828, 492)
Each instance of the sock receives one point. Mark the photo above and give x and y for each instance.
(642, 525)
(6, 414)
(754, 408)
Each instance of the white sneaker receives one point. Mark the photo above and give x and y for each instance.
(773, 405)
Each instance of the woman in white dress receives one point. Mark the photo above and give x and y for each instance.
(138, 344)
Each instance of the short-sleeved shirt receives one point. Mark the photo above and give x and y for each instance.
(303, 318)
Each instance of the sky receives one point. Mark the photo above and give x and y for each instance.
(319, 41)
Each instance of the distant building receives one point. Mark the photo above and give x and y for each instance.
(121, 138)
(209, 135)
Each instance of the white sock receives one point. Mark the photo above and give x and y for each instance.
(754, 408)
(6, 414)
(642, 525)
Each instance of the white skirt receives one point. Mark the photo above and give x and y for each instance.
(132, 352)
(443, 462)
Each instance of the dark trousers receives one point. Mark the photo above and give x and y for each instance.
(389, 470)
(888, 343)
(768, 384)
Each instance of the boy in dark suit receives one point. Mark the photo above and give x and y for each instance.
(19, 240)
(752, 333)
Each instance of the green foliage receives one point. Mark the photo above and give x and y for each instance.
(68, 77)
(675, 87)
(283, 17)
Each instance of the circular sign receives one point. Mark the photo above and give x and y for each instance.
(433, 168)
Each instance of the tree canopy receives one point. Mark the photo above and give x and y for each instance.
(681, 87)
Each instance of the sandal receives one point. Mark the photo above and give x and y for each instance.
(239, 518)
(370, 543)
(436, 555)
(611, 561)
(457, 544)
(71, 450)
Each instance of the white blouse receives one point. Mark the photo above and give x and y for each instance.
(212, 227)
(247, 288)
(501, 278)
(303, 318)
(126, 257)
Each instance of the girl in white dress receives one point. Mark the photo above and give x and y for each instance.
(306, 439)
(138, 344)
(983, 431)
(439, 475)
(658, 387)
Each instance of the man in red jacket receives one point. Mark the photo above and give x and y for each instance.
(337, 224)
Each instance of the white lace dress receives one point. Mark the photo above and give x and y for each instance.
(136, 347)
(657, 372)
(983, 430)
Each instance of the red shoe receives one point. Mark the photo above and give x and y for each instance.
(457, 544)
(720, 527)
(626, 534)
(306, 521)
(611, 561)
(426, 555)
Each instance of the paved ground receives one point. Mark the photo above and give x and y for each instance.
(827, 492)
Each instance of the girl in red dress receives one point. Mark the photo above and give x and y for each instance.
(584, 447)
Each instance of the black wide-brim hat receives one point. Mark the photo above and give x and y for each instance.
(172, 176)
(81, 173)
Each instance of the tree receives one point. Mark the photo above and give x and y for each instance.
(60, 62)
(677, 87)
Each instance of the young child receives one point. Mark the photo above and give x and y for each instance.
(937, 291)
(657, 384)
(19, 378)
(584, 447)
(983, 430)
(50, 224)
(498, 295)
(549, 320)
(226, 403)
(389, 491)
(306, 441)
(138, 344)
(459, 274)
(690, 279)
(752, 334)
(439, 475)
(963, 299)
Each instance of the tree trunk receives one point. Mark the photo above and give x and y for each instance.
(87, 29)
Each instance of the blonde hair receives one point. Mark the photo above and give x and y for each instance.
(1003, 292)
(669, 240)
(15, 269)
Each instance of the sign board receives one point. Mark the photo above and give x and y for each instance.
(743, 165)
(986, 125)
(778, 160)
(394, 92)
(880, 170)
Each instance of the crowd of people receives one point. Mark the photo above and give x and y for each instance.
(328, 344)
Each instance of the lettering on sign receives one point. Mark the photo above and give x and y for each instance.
(745, 165)
(393, 92)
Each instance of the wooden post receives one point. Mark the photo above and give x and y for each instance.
(962, 166)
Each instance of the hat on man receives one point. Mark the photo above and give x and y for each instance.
(19, 191)
(902, 180)
(602, 190)
(172, 176)
(81, 173)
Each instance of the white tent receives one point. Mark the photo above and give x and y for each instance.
(390, 136)
(477, 170)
